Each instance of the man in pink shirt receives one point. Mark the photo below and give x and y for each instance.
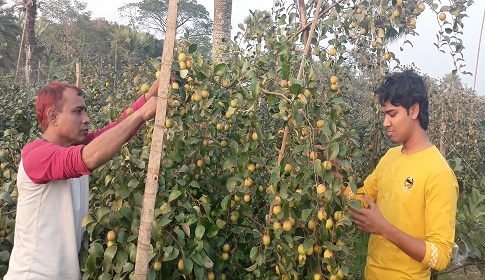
(53, 180)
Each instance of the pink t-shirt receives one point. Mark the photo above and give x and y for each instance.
(53, 199)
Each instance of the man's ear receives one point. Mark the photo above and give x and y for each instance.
(414, 111)
(52, 116)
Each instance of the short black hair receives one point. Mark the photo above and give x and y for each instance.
(406, 89)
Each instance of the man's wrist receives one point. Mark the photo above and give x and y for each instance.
(388, 231)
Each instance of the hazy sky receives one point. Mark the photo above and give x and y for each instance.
(424, 54)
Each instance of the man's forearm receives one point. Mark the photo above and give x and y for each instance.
(413, 247)
(104, 147)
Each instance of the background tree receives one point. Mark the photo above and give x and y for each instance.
(132, 46)
(29, 8)
(66, 27)
(193, 20)
(10, 32)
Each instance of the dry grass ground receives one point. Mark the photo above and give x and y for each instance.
(469, 273)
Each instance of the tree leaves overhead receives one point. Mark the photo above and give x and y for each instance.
(9, 41)
(64, 11)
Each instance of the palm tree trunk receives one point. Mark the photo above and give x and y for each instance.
(222, 30)
(30, 42)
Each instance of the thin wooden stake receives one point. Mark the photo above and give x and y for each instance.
(300, 73)
(478, 54)
(79, 81)
(306, 52)
(21, 45)
(151, 186)
(442, 139)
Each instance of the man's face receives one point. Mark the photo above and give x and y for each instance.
(72, 121)
(397, 121)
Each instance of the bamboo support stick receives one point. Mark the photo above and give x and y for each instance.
(151, 186)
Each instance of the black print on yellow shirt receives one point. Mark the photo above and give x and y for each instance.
(409, 182)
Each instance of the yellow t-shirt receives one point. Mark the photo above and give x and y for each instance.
(416, 193)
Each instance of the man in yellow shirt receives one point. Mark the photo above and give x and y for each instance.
(412, 193)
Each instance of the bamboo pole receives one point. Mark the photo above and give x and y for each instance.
(151, 186)
(478, 54)
(115, 83)
(78, 75)
(442, 138)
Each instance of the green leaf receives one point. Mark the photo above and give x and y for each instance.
(108, 179)
(282, 20)
(220, 223)
(5, 196)
(318, 167)
(188, 266)
(90, 264)
(174, 195)
(133, 183)
(295, 88)
(102, 212)
(87, 220)
(105, 276)
(128, 267)
(228, 163)
(199, 231)
(166, 219)
(345, 221)
(307, 244)
(4, 256)
(170, 253)
(167, 163)
(305, 214)
(359, 17)
(123, 192)
(213, 231)
(354, 203)
(333, 150)
(208, 263)
(127, 213)
(110, 253)
(175, 66)
(192, 48)
(232, 183)
(252, 268)
(10, 132)
(220, 69)
(198, 259)
(225, 202)
(253, 253)
(96, 249)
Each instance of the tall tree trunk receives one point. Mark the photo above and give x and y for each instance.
(222, 30)
(151, 186)
(30, 41)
